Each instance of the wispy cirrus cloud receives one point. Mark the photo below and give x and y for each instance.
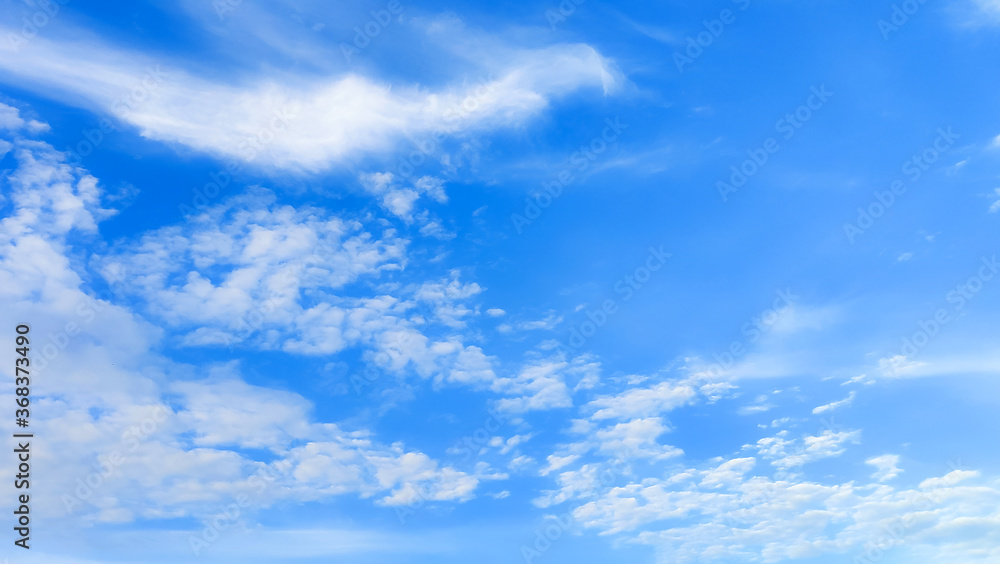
(303, 121)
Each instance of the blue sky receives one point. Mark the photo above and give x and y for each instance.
(504, 282)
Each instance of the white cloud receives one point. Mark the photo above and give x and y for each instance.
(556, 462)
(49, 196)
(540, 386)
(636, 439)
(960, 363)
(306, 123)
(995, 206)
(548, 323)
(432, 228)
(760, 405)
(725, 512)
(399, 199)
(446, 298)
(232, 413)
(835, 405)
(948, 480)
(545, 384)
(250, 273)
(175, 434)
(10, 117)
(729, 472)
(11, 120)
(886, 467)
(789, 453)
(247, 265)
(643, 402)
(862, 379)
(752, 409)
(899, 365)
(512, 443)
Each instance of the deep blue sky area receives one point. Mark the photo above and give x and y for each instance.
(503, 282)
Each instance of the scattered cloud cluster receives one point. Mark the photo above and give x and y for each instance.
(174, 439)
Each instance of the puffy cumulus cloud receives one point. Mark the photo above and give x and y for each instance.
(948, 480)
(49, 197)
(544, 384)
(583, 483)
(232, 413)
(414, 476)
(644, 402)
(133, 435)
(725, 512)
(402, 350)
(252, 273)
(306, 122)
(620, 480)
(11, 120)
(399, 197)
(245, 264)
(446, 297)
(886, 467)
(431, 227)
(789, 453)
(636, 439)
(351, 463)
(158, 474)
